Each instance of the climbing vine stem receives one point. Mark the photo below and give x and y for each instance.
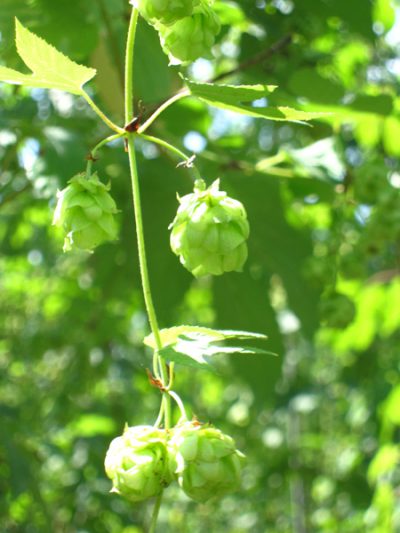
(92, 156)
(144, 273)
(182, 94)
(188, 160)
(156, 510)
(100, 114)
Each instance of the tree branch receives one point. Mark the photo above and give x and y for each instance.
(275, 48)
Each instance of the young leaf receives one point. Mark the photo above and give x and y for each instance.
(50, 68)
(238, 98)
(193, 346)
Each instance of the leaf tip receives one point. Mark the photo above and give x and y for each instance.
(19, 27)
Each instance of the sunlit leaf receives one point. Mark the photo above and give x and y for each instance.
(391, 135)
(171, 335)
(50, 68)
(384, 461)
(391, 408)
(194, 346)
(238, 98)
(384, 13)
(90, 425)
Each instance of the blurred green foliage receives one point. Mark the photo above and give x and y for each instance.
(320, 423)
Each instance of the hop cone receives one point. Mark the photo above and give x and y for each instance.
(191, 37)
(209, 231)
(85, 210)
(164, 11)
(138, 463)
(207, 463)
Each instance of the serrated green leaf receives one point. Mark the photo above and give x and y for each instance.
(206, 335)
(235, 334)
(50, 68)
(196, 359)
(280, 113)
(229, 93)
(193, 346)
(237, 98)
(188, 352)
(13, 76)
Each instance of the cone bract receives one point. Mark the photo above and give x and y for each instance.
(164, 11)
(207, 463)
(138, 464)
(209, 231)
(85, 210)
(191, 37)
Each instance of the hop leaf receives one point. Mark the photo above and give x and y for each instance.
(138, 464)
(50, 68)
(191, 37)
(164, 12)
(85, 210)
(206, 461)
(209, 232)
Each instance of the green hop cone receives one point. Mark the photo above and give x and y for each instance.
(138, 463)
(209, 232)
(207, 463)
(164, 12)
(85, 210)
(191, 37)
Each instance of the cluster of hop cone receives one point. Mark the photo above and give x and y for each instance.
(209, 232)
(146, 459)
(209, 235)
(187, 28)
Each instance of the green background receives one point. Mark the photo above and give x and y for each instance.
(319, 423)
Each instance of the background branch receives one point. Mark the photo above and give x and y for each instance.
(275, 48)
